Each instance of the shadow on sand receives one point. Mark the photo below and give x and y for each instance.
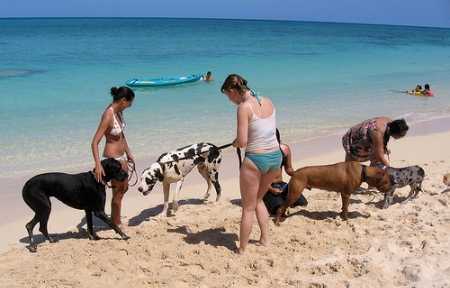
(146, 214)
(216, 237)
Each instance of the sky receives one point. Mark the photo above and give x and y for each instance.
(398, 12)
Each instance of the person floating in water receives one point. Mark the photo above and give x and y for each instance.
(208, 76)
(427, 91)
(416, 91)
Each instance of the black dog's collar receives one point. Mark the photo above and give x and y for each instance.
(102, 182)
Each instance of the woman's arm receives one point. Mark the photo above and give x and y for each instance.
(378, 147)
(288, 164)
(130, 156)
(242, 126)
(102, 127)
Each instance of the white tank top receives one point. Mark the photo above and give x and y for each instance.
(261, 134)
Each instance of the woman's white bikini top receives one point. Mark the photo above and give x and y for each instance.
(118, 126)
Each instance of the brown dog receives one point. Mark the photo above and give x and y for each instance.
(344, 177)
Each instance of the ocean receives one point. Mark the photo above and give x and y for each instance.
(55, 77)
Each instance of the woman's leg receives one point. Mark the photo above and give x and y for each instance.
(249, 179)
(261, 211)
(118, 190)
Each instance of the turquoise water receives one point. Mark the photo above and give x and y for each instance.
(55, 76)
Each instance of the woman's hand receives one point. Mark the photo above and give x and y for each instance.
(290, 171)
(235, 143)
(99, 172)
(130, 159)
(131, 163)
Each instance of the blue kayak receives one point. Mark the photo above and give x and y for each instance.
(163, 81)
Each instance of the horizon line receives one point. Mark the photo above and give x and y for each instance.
(215, 18)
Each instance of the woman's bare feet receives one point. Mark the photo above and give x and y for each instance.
(263, 242)
(240, 251)
(123, 227)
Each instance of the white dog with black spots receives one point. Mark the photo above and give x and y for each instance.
(173, 167)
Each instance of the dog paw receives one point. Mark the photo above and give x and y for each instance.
(93, 237)
(161, 217)
(32, 248)
(343, 216)
(175, 207)
(278, 220)
(52, 240)
(125, 237)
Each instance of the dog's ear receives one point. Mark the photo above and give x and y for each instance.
(106, 163)
(113, 170)
(111, 164)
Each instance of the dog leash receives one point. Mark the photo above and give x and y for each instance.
(238, 151)
(132, 168)
(225, 146)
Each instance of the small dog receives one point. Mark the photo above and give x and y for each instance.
(174, 166)
(400, 177)
(344, 177)
(79, 191)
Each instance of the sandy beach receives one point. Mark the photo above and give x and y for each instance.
(407, 245)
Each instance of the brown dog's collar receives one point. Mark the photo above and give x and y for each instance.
(364, 173)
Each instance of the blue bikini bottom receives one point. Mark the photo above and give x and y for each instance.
(266, 161)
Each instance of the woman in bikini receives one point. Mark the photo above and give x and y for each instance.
(112, 127)
(256, 126)
(368, 140)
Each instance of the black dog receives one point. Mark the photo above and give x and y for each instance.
(79, 191)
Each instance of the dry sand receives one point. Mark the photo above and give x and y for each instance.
(407, 245)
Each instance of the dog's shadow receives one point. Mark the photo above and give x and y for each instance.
(98, 225)
(39, 238)
(445, 190)
(146, 214)
(397, 199)
(216, 237)
(323, 215)
(355, 201)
